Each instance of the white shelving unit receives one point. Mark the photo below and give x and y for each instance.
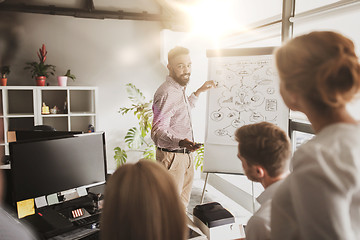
(20, 109)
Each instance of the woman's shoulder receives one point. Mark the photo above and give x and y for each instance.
(340, 129)
(334, 138)
(335, 153)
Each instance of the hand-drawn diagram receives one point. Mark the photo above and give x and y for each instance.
(247, 92)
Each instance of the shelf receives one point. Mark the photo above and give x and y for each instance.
(2, 136)
(54, 98)
(2, 153)
(81, 123)
(20, 109)
(20, 102)
(54, 115)
(59, 123)
(21, 123)
(5, 166)
(1, 105)
(19, 115)
(81, 114)
(79, 101)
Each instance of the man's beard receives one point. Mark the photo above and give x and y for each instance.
(182, 79)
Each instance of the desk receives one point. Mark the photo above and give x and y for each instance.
(91, 231)
(56, 222)
(80, 233)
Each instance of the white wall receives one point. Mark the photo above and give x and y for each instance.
(103, 53)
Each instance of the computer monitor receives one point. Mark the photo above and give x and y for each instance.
(23, 135)
(46, 166)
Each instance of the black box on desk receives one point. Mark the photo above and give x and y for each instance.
(215, 221)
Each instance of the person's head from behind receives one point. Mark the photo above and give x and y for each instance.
(264, 150)
(320, 68)
(141, 203)
(179, 65)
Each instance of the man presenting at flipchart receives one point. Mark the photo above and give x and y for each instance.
(172, 130)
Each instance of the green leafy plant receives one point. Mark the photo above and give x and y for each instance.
(120, 156)
(38, 69)
(137, 137)
(5, 71)
(199, 158)
(70, 75)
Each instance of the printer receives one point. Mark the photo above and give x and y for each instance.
(216, 222)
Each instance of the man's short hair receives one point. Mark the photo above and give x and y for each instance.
(177, 51)
(264, 144)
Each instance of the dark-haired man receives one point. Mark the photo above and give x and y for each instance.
(264, 150)
(172, 130)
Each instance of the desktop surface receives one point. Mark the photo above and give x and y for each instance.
(58, 221)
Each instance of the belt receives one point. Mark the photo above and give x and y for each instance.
(184, 150)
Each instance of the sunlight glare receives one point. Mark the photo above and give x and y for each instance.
(212, 18)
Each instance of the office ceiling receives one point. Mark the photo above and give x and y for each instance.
(142, 10)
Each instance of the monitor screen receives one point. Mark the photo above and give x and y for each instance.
(23, 135)
(43, 167)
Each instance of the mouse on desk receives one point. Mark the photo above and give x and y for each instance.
(94, 225)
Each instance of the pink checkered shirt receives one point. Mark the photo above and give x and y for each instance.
(172, 117)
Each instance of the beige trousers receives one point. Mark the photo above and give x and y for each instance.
(181, 167)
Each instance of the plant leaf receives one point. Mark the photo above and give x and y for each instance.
(134, 138)
(135, 95)
(150, 152)
(199, 158)
(120, 156)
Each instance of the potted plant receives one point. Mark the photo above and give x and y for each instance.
(137, 138)
(5, 71)
(62, 80)
(39, 70)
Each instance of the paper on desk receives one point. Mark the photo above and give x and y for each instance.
(52, 199)
(70, 196)
(40, 202)
(25, 208)
(81, 191)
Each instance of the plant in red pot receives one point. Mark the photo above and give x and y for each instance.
(5, 71)
(39, 70)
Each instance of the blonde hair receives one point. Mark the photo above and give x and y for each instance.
(321, 66)
(141, 202)
(264, 144)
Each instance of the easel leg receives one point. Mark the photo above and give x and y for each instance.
(203, 192)
(253, 196)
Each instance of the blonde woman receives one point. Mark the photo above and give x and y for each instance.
(319, 74)
(142, 203)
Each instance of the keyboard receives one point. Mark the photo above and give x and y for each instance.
(83, 228)
(87, 220)
(79, 233)
(94, 236)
